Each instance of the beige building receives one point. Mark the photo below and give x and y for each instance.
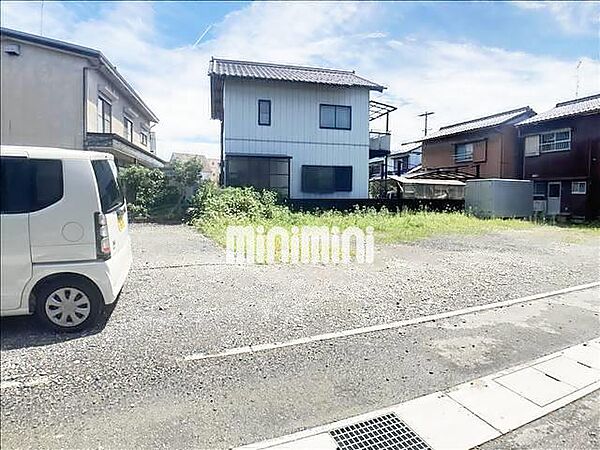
(210, 166)
(57, 94)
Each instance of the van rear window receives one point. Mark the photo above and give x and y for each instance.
(111, 196)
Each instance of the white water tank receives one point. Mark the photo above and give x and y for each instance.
(499, 197)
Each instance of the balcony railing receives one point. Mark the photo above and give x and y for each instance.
(379, 143)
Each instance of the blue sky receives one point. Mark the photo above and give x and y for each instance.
(461, 59)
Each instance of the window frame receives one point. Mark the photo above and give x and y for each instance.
(554, 141)
(101, 107)
(577, 191)
(334, 127)
(461, 161)
(268, 102)
(243, 170)
(334, 188)
(144, 138)
(128, 131)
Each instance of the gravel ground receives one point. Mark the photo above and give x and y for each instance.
(182, 298)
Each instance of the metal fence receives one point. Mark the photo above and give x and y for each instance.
(394, 204)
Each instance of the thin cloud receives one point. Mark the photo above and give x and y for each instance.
(576, 18)
(456, 80)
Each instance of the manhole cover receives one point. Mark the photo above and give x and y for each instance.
(383, 432)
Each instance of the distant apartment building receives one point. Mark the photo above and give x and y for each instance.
(486, 147)
(301, 131)
(562, 157)
(57, 94)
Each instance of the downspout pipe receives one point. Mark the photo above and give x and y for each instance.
(84, 131)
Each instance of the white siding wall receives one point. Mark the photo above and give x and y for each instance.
(295, 131)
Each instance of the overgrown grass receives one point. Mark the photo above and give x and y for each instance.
(218, 208)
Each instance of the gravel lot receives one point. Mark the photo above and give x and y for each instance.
(181, 298)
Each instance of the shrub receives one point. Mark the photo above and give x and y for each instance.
(233, 202)
(161, 194)
(142, 187)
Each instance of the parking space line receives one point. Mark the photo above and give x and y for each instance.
(29, 382)
(382, 327)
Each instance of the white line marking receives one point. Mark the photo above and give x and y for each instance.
(385, 326)
(435, 432)
(31, 382)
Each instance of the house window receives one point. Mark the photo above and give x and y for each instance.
(463, 152)
(532, 145)
(260, 172)
(326, 179)
(264, 112)
(578, 187)
(555, 141)
(335, 117)
(539, 188)
(128, 129)
(104, 116)
(375, 170)
(144, 138)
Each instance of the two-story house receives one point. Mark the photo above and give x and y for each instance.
(398, 162)
(486, 147)
(57, 94)
(562, 157)
(301, 131)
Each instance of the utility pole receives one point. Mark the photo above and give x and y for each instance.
(42, 18)
(577, 78)
(426, 114)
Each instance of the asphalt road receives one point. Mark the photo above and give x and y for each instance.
(130, 383)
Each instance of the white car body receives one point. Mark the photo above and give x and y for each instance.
(61, 238)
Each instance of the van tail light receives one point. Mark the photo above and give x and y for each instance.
(102, 240)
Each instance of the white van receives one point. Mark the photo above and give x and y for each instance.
(65, 241)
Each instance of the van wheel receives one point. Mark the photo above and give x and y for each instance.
(68, 304)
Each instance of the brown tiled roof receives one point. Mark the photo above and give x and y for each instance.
(281, 72)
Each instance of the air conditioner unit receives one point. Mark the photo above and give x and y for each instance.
(539, 206)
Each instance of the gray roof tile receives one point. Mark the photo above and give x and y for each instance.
(476, 124)
(281, 72)
(581, 106)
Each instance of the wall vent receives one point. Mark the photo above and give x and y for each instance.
(12, 49)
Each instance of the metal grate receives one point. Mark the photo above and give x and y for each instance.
(384, 432)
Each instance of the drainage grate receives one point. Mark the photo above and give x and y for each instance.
(383, 432)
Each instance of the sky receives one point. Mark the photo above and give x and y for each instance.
(461, 60)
